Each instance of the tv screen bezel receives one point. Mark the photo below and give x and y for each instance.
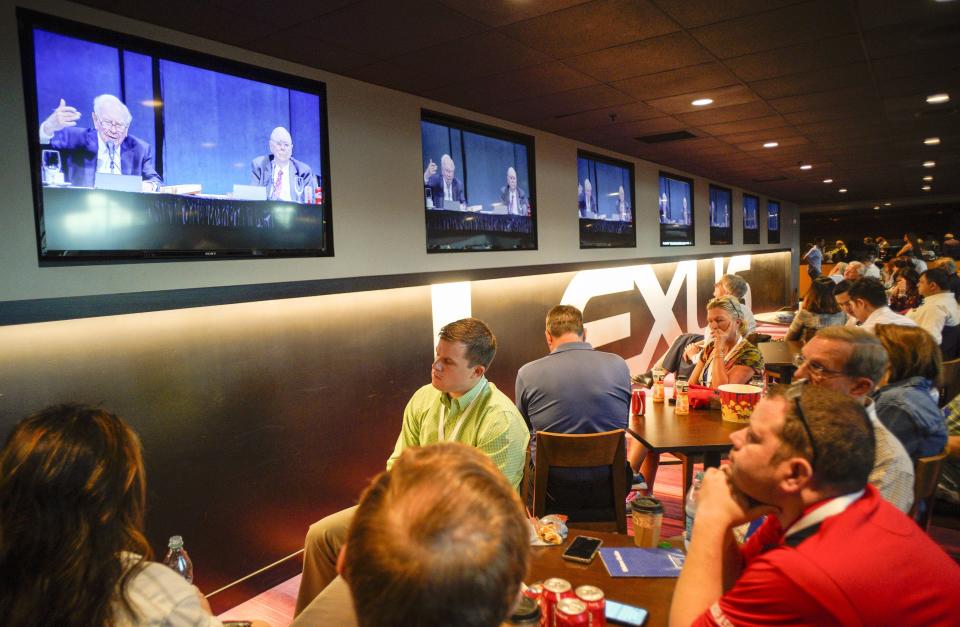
(693, 212)
(28, 20)
(628, 166)
(754, 234)
(771, 232)
(435, 117)
(727, 230)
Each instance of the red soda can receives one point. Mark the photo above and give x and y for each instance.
(554, 591)
(571, 613)
(638, 403)
(593, 598)
(534, 591)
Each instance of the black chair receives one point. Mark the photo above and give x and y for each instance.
(950, 342)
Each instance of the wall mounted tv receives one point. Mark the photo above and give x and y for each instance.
(605, 202)
(140, 150)
(751, 219)
(676, 210)
(721, 219)
(773, 222)
(478, 186)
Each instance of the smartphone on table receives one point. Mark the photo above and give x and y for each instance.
(583, 549)
(623, 614)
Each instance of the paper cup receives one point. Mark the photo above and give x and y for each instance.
(737, 401)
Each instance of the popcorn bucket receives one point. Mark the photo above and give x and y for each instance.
(737, 401)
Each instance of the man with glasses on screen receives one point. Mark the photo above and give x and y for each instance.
(586, 203)
(284, 177)
(514, 198)
(622, 208)
(853, 361)
(831, 551)
(446, 191)
(107, 148)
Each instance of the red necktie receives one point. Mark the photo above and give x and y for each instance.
(276, 186)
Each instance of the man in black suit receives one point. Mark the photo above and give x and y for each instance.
(444, 186)
(513, 197)
(586, 203)
(106, 148)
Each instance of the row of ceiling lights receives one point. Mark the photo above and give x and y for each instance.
(929, 141)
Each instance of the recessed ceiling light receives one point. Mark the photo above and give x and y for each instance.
(929, 164)
(888, 204)
(927, 179)
(932, 141)
(806, 166)
(876, 207)
(842, 190)
(925, 188)
(938, 98)
(828, 180)
(702, 102)
(771, 144)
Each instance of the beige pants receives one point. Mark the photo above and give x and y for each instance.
(321, 549)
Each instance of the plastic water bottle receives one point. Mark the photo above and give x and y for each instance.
(178, 560)
(691, 509)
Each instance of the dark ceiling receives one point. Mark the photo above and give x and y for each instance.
(840, 84)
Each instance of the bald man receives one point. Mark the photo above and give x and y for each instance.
(586, 203)
(446, 191)
(284, 177)
(513, 197)
(106, 148)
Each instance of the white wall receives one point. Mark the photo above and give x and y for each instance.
(376, 191)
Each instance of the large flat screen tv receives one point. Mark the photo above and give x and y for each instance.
(676, 210)
(773, 222)
(140, 150)
(605, 202)
(478, 186)
(751, 219)
(721, 210)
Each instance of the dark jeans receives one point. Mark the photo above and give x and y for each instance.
(583, 494)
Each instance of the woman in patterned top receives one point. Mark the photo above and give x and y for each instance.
(729, 357)
(904, 295)
(820, 309)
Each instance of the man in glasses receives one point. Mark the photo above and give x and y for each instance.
(284, 177)
(852, 361)
(831, 551)
(107, 148)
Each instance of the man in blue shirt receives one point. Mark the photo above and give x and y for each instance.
(574, 389)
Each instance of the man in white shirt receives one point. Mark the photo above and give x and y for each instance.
(853, 271)
(939, 308)
(513, 197)
(284, 177)
(866, 300)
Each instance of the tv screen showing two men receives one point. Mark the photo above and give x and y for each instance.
(477, 187)
(202, 146)
(605, 202)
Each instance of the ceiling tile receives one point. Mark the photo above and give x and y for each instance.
(681, 81)
(825, 79)
(752, 145)
(712, 115)
(693, 13)
(296, 43)
(282, 12)
(646, 57)
(875, 13)
(803, 57)
(743, 126)
(565, 103)
(640, 128)
(887, 41)
(520, 84)
(599, 117)
(592, 26)
(388, 29)
(502, 12)
(723, 97)
(844, 98)
(783, 27)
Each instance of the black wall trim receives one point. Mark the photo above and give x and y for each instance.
(74, 307)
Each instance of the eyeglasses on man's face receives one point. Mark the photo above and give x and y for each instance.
(816, 369)
(794, 394)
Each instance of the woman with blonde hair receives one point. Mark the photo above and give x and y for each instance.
(727, 357)
(72, 549)
(906, 402)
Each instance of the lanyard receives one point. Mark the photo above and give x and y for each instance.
(463, 417)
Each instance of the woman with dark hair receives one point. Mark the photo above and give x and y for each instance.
(904, 294)
(905, 401)
(72, 549)
(819, 310)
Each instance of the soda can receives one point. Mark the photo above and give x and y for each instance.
(554, 591)
(593, 598)
(571, 613)
(533, 591)
(638, 402)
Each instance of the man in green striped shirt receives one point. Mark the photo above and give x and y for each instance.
(458, 405)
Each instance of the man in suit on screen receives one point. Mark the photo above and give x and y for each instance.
(284, 177)
(513, 197)
(444, 186)
(107, 148)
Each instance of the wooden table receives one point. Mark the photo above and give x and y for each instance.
(651, 593)
(701, 432)
(772, 317)
(779, 357)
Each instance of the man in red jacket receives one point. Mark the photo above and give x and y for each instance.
(831, 552)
